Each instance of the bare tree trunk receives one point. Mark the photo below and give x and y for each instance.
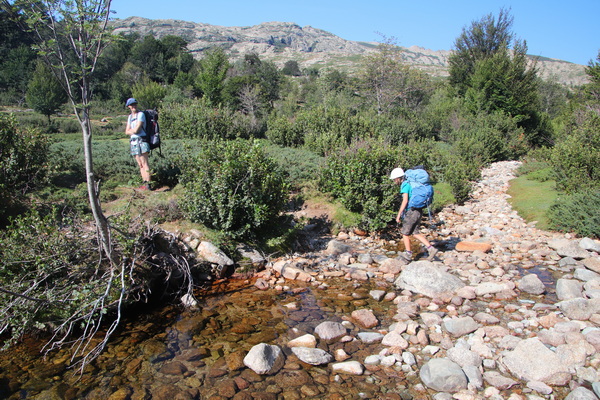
(93, 188)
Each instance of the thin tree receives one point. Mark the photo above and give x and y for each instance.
(388, 82)
(70, 36)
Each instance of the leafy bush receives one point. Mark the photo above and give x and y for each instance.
(300, 165)
(459, 173)
(39, 259)
(23, 154)
(575, 158)
(30, 120)
(457, 176)
(234, 187)
(359, 178)
(149, 94)
(282, 131)
(197, 120)
(398, 130)
(328, 129)
(67, 125)
(490, 141)
(577, 212)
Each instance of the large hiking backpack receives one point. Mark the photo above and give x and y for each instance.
(421, 189)
(152, 130)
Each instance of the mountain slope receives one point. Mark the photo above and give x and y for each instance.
(310, 47)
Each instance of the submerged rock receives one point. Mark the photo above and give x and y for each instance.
(348, 367)
(312, 356)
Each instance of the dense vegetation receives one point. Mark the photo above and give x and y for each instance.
(240, 137)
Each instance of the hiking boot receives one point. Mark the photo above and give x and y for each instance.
(432, 252)
(145, 186)
(406, 256)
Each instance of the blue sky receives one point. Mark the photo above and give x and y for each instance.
(565, 29)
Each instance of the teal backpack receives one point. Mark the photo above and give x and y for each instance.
(421, 189)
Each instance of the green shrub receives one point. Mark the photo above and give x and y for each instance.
(38, 258)
(575, 158)
(247, 126)
(398, 130)
(114, 106)
(30, 120)
(542, 174)
(300, 165)
(359, 178)
(196, 120)
(149, 94)
(234, 187)
(328, 129)
(578, 213)
(23, 153)
(489, 138)
(459, 173)
(282, 131)
(67, 125)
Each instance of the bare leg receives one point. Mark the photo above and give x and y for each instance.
(421, 238)
(142, 161)
(406, 241)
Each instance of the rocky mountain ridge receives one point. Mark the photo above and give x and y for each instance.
(311, 47)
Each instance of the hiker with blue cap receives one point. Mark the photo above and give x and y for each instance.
(417, 193)
(139, 148)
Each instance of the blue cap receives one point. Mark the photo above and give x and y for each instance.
(130, 101)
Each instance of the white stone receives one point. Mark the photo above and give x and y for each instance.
(307, 340)
(348, 367)
(264, 359)
(312, 356)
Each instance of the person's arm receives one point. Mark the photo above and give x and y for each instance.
(135, 128)
(402, 207)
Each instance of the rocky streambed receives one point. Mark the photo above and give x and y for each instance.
(505, 311)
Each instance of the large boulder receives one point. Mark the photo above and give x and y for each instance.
(425, 278)
(531, 360)
(443, 375)
(264, 359)
(335, 247)
(579, 308)
(568, 289)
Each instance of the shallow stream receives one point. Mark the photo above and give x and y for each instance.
(176, 354)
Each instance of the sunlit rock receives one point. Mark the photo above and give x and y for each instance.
(264, 359)
(312, 356)
(443, 375)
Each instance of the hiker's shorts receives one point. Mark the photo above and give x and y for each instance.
(138, 147)
(411, 221)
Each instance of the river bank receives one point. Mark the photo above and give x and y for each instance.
(505, 311)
